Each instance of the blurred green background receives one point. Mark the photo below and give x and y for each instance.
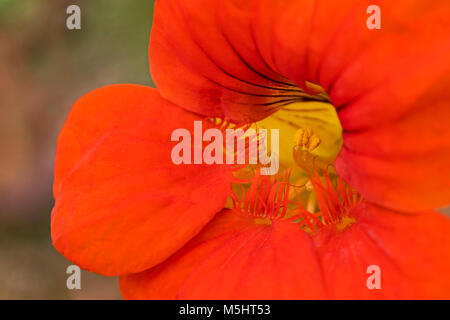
(44, 68)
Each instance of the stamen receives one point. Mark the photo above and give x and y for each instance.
(335, 203)
(311, 204)
(244, 144)
(329, 203)
(267, 196)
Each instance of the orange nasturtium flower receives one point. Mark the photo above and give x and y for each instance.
(378, 100)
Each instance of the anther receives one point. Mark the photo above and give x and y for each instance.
(306, 139)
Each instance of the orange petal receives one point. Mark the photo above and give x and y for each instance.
(391, 86)
(236, 257)
(246, 260)
(195, 64)
(392, 104)
(164, 280)
(122, 206)
(412, 252)
(269, 262)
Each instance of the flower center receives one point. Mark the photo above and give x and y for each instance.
(315, 116)
(317, 200)
(274, 197)
(307, 190)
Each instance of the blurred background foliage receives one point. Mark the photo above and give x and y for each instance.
(44, 69)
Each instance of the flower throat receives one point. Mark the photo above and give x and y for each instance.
(270, 198)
